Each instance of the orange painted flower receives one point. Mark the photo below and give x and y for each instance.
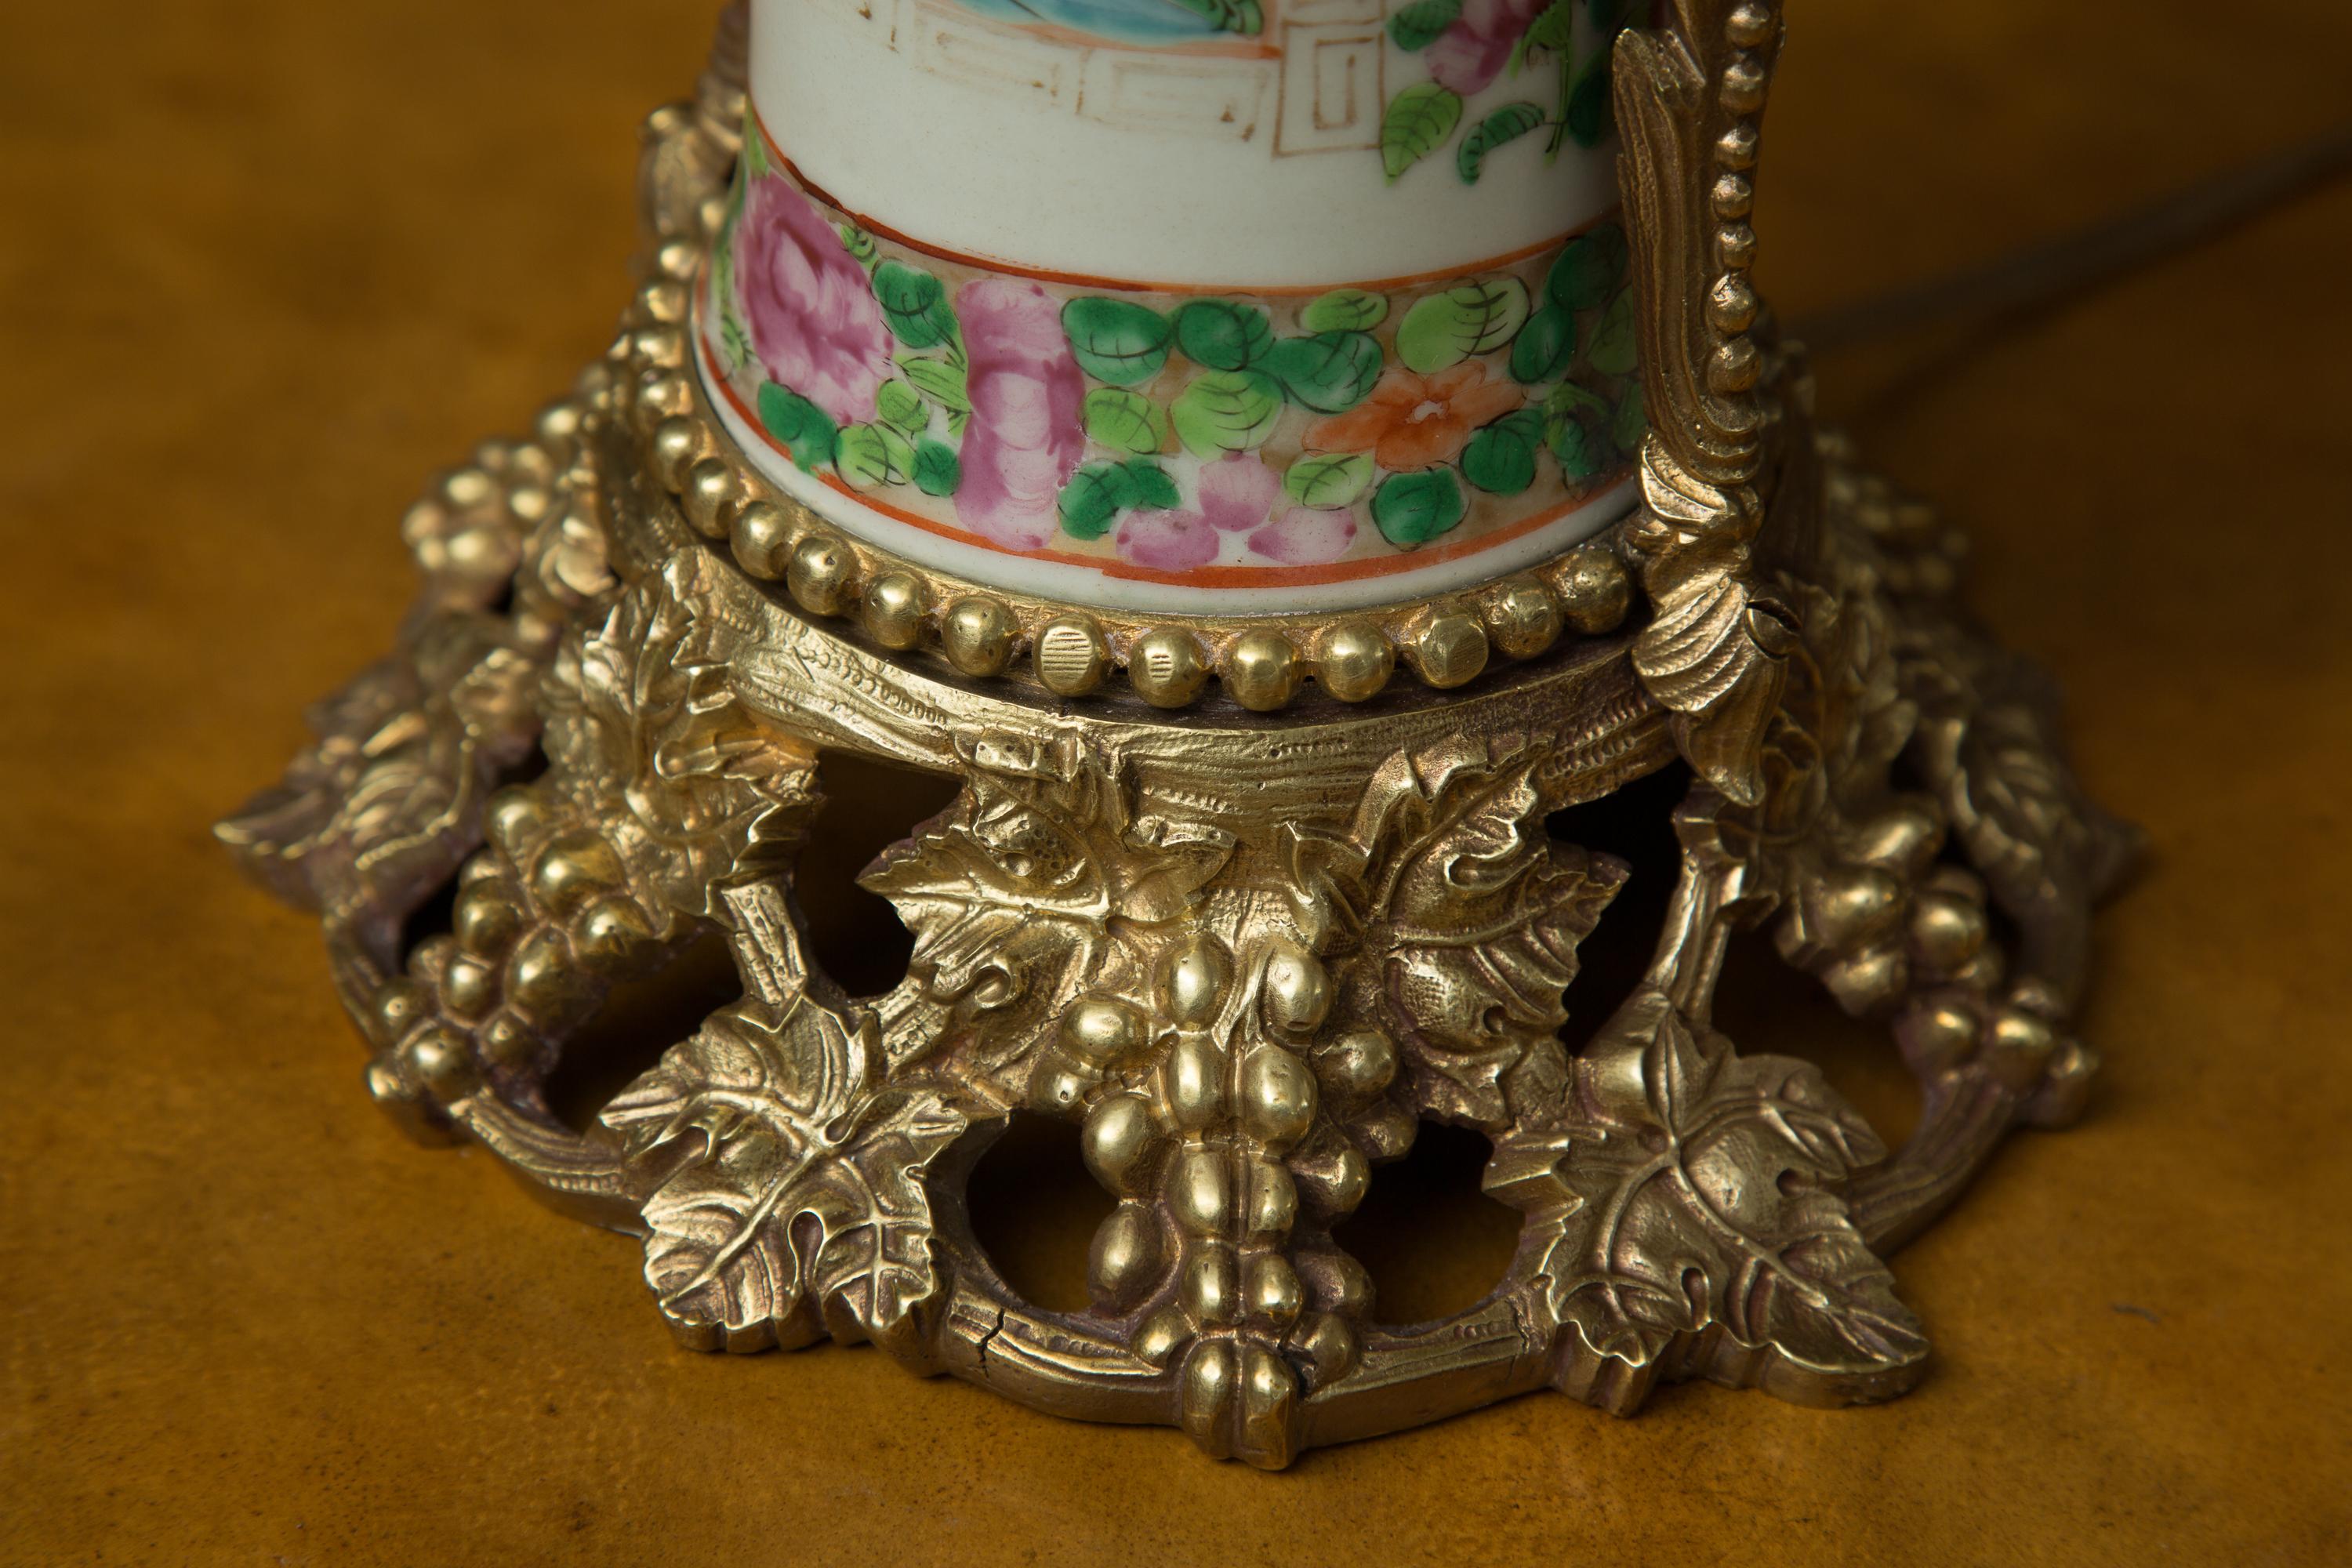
(1413, 421)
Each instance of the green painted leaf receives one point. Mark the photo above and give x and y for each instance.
(1098, 492)
(1223, 334)
(942, 382)
(1501, 458)
(870, 456)
(1417, 123)
(1413, 509)
(1416, 27)
(1508, 123)
(1632, 421)
(1615, 350)
(1345, 310)
(1544, 345)
(1468, 319)
(915, 304)
(902, 407)
(1117, 341)
(1589, 270)
(1590, 115)
(1556, 29)
(1329, 372)
(1329, 482)
(1227, 411)
(938, 470)
(860, 245)
(1579, 450)
(1569, 398)
(806, 430)
(1125, 420)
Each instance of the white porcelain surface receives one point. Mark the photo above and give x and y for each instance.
(1183, 306)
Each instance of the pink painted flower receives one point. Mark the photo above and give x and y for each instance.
(1301, 537)
(1167, 540)
(1025, 438)
(813, 320)
(1468, 55)
(1237, 491)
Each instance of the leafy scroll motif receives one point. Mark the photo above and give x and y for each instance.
(1689, 1213)
(783, 1177)
(386, 802)
(1040, 883)
(644, 732)
(1462, 915)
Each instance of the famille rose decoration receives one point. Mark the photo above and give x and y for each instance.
(1276, 460)
(1199, 309)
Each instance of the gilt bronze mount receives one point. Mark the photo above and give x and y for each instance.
(1248, 899)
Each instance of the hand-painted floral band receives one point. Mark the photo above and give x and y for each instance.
(1217, 438)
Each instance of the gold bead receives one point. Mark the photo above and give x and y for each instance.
(1161, 1332)
(610, 932)
(762, 537)
(1904, 839)
(1058, 1087)
(1449, 650)
(1166, 668)
(1342, 1284)
(1098, 1029)
(1274, 1292)
(1336, 1180)
(1355, 661)
(1277, 1098)
(893, 611)
(1850, 906)
(1357, 1066)
(664, 346)
(664, 300)
(1212, 1287)
(679, 258)
(1116, 1143)
(399, 1006)
(1269, 1400)
(1261, 671)
(573, 870)
(1595, 590)
(1194, 1082)
(515, 818)
(1209, 1384)
(676, 446)
(508, 1041)
(485, 920)
(1192, 982)
(440, 1060)
(1936, 1038)
(1198, 1191)
(822, 574)
(1271, 1198)
(1297, 988)
(977, 634)
(542, 979)
(1523, 618)
(1124, 1261)
(1331, 1348)
(469, 988)
(662, 395)
(1948, 931)
(1072, 657)
(707, 496)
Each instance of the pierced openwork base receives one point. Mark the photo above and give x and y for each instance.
(1249, 956)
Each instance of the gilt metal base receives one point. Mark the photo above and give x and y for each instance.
(1248, 955)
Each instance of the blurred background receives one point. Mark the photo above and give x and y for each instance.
(266, 265)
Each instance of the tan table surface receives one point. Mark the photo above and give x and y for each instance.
(268, 263)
